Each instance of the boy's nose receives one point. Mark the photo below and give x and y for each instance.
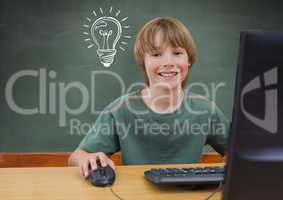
(168, 61)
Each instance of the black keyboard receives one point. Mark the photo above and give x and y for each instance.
(186, 176)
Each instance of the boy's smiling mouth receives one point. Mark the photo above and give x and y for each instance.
(168, 74)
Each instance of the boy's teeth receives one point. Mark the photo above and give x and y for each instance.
(168, 74)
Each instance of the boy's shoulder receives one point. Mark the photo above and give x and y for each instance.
(199, 102)
(123, 101)
(200, 99)
(203, 103)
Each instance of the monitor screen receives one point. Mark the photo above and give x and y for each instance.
(255, 154)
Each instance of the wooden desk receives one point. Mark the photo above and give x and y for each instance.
(56, 183)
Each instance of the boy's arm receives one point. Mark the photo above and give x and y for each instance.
(218, 131)
(103, 137)
(101, 141)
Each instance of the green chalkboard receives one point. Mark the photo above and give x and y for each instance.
(47, 60)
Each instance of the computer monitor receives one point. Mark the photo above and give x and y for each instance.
(255, 152)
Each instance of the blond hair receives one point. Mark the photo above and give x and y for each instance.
(174, 33)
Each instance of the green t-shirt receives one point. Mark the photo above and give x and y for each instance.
(146, 137)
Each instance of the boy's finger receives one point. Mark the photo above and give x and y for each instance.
(93, 163)
(85, 167)
(111, 164)
(103, 160)
(81, 171)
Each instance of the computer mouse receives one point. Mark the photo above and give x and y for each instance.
(102, 176)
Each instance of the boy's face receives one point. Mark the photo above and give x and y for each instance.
(167, 65)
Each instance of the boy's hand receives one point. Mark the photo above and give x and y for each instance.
(89, 161)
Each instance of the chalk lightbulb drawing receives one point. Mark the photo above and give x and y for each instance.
(105, 31)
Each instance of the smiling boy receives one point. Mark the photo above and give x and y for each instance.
(159, 124)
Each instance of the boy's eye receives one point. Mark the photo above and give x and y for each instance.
(178, 53)
(156, 54)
